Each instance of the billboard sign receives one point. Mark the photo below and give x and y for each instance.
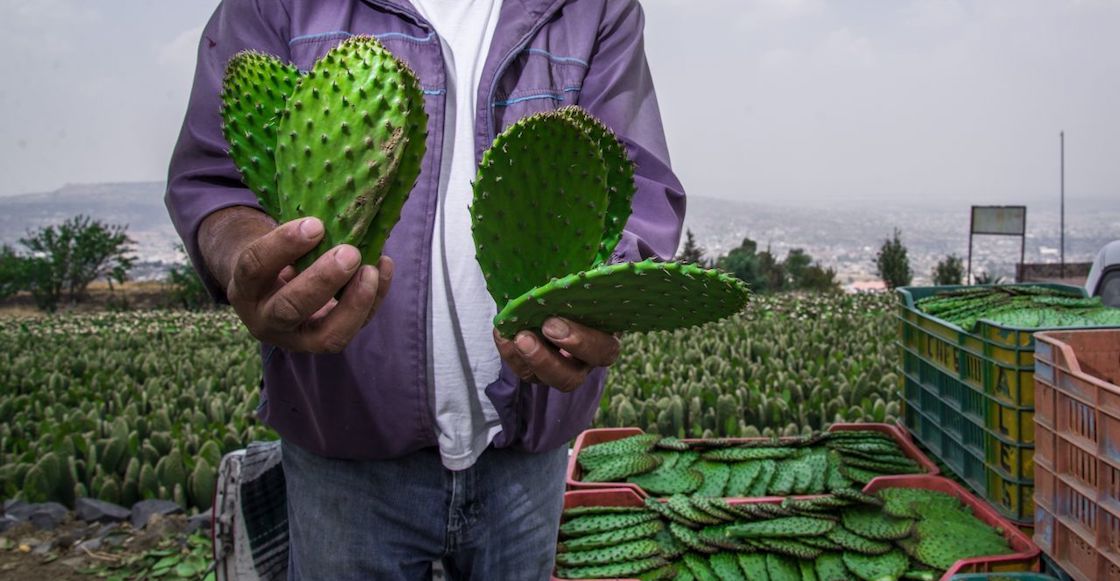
(1001, 220)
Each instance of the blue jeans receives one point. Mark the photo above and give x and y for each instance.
(390, 520)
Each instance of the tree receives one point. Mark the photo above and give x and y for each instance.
(949, 271)
(797, 261)
(187, 290)
(771, 272)
(692, 253)
(892, 264)
(70, 256)
(14, 270)
(817, 278)
(742, 263)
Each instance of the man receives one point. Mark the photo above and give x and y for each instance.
(411, 432)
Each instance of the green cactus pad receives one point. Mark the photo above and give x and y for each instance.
(743, 475)
(671, 548)
(749, 453)
(254, 93)
(633, 444)
(589, 510)
(761, 484)
(726, 567)
(699, 567)
(780, 568)
(794, 526)
(612, 538)
(620, 179)
(539, 201)
(669, 482)
(598, 523)
(673, 443)
(626, 551)
(853, 542)
(830, 567)
(873, 523)
(611, 571)
(690, 538)
(623, 466)
(411, 160)
(889, 565)
(641, 296)
(342, 140)
(715, 475)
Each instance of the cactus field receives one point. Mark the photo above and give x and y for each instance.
(127, 406)
(787, 365)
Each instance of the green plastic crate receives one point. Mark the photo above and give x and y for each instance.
(996, 360)
(999, 470)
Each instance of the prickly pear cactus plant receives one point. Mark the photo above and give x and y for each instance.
(551, 198)
(343, 143)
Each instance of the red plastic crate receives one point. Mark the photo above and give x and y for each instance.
(1077, 472)
(601, 435)
(1025, 557)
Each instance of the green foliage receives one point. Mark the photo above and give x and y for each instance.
(950, 270)
(892, 263)
(742, 262)
(691, 253)
(764, 273)
(14, 272)
(186, 288)
(68, 257)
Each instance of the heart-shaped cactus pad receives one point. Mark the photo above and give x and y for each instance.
(342, 143)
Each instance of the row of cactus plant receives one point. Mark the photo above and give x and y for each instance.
(787, 365)
(177, 381)
(124, 407)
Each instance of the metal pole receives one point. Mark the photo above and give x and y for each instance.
(971, 226)
(1062, 139)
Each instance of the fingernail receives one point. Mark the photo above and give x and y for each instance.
(347, 257)
(556, 329)
(311, 228)
(367, 278)
(387, 271)
(525, 343)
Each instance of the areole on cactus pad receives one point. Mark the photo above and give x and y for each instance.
(343, 142)
(551, 198)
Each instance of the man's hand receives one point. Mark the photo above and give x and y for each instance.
(298, 312)
(563, 358)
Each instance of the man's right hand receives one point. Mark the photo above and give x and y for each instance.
(253, 260)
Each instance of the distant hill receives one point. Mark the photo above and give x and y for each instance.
(139, 205)
(841, 233)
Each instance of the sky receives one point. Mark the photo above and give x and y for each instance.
(782, 101)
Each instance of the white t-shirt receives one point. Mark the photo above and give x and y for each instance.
(461, 353)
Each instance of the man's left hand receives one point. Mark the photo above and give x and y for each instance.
(561, 356)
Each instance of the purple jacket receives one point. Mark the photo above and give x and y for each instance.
(372, 400)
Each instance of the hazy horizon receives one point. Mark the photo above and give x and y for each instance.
(916, 102)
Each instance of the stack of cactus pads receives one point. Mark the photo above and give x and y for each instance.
(552, 195)
(896, 533)
(814, 464)
(343, 142)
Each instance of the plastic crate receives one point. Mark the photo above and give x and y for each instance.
(1077, 477)
(601, 435)
(1003, 577)
(1025, 557)
(998, 469)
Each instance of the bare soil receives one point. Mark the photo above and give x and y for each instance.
(129, 296)
(65, 553)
